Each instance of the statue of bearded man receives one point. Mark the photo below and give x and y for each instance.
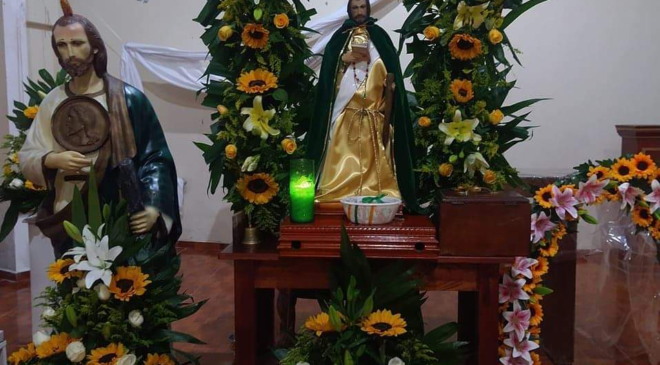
(361, 135)
(132, 131)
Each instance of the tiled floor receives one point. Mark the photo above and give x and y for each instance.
(205, 277)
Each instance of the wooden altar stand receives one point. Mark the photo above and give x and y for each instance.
(304, 253)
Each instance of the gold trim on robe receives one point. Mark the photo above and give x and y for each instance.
(356, 161)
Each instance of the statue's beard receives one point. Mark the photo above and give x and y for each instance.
(360, 19)
(77, 67)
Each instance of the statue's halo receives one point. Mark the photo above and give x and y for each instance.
(66, 8)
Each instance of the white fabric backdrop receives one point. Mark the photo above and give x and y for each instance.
(185, 69)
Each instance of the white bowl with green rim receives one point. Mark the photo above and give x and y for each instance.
(372, 213)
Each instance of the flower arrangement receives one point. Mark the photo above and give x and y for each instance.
(631, 180)
(372, 317)
(460, 74)
(24, 195)
(115, 296)
(261, 88)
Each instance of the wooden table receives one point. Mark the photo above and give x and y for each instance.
(259, 270)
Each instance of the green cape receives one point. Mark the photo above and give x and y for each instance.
(325, 98)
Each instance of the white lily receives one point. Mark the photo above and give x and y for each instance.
(471, 15)
(99, 259)
(257, 123)
(79, 252)
(474, 162)
(460, 130)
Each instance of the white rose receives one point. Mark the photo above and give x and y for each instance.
(40, 337)
(75, 352)
(15, 169)
(396, 361)
(48, 313)
(16, 184)
(127, 360)
(135, 318)
(103, 292)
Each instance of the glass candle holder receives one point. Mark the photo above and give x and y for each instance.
(303, 190)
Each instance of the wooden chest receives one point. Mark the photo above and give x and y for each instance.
(411, 237)
(484, 224)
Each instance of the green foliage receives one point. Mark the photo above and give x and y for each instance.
(98, 321)
(357, 291)
(283, 55)
(433, 70)
(25, 198)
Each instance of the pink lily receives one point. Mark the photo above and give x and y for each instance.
(521, 348)
(512, 290)
(510, 360)
(654, 197)
(589, 191)
(628, 195)
(518, 320)
(540, 225)
(522, 266)
(564, 202)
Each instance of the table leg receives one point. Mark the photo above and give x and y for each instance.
(467, 321)
(265, 320)
(246, 313)
(488, 312)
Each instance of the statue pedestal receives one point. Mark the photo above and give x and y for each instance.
(41, 255)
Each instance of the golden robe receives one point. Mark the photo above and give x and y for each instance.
(356, 161)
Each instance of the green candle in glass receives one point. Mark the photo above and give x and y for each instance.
(303, 190)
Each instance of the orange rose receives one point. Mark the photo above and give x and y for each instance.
(289, 146)
(446, 169)
(496, 117)
(495, 36)
(424, 122)
(222, 109)
(431, 33)
(281, 21)
(31, 112)
(490, 177)
(231, 151)
(225, 33)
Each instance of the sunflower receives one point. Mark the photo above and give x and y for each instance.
(536, 358)
(55, 345)
(541, 268)
(319, 324)
(529, 288)
(155, 359)
(551, 249)
(560, 232)
(535, 331)
(106, 355)
(23, 355)
(537, 314)
(642, 216)
(384, 324)
(601, 172)
(255, 36)
(655, 230)
(465, 47)
(257, 81)
(58, 271)
(644, 166)
(128, 282)
(623, 170)
(543, 197)
(258, 188)
(462, 90)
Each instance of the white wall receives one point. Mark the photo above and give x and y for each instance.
(595, 59)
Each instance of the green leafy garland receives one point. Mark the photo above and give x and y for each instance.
(262, 90)
(372, 318)
(459, 71)
(24, 196)
(125, 319)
